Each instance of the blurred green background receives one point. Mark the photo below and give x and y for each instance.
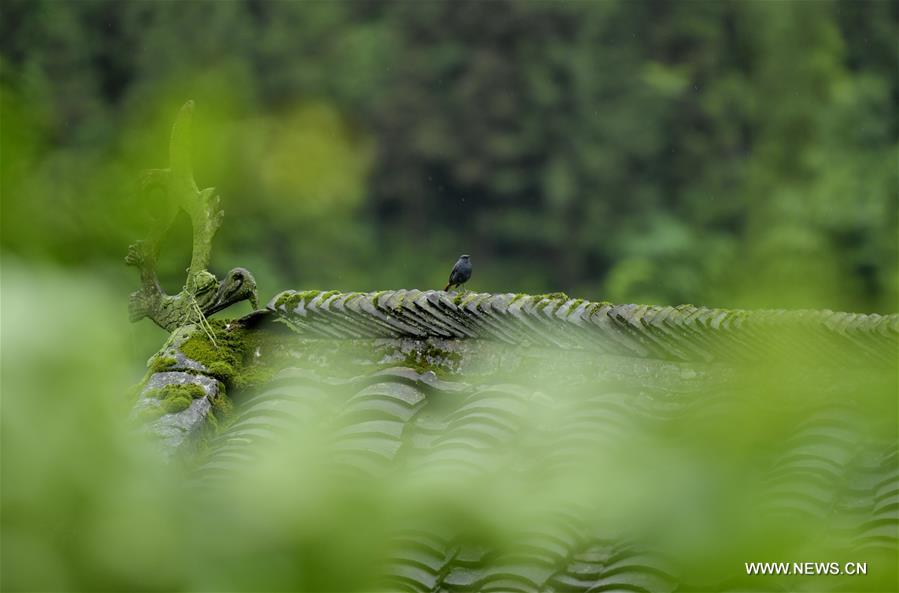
(729, 154)
(735, 154)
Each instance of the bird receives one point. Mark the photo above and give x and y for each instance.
(461, 272)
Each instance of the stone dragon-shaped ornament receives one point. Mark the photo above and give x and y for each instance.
(202, 294)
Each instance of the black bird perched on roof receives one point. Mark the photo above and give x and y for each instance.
(461, 272)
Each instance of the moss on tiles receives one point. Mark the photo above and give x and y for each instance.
(160, 363)
(222, 371)
(290, 299)
(176, 404)
(179, 390)
(249, 376)
(172, 398)
(283, 299)
(234, 357)
(226, 351)
(574, 306)
(222, 406)
(428, 356)
(222, 412)
(595, 308)
(464, 297)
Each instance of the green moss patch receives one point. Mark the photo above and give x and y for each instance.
(231, 357)
(160, 364)
(463, 297)
(176, 404)
(430, 357)
(174, 398)
(222, 357)
(283, 299)
(222, 407)
(289, 299)
(181, 390)
(223, 371)
(577, 303)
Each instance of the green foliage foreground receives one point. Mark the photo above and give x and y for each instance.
(89, 503)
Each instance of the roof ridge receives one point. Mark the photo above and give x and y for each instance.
(683, 332)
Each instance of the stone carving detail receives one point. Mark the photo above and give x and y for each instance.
(202, 294)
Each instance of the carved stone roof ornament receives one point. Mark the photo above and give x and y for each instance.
(202, 294)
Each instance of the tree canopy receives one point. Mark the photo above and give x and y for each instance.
(735, 154)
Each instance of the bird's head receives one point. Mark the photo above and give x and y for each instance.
(464, 257)
(237, 286)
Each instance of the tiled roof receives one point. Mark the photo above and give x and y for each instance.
(681, 333)
(461, 386)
